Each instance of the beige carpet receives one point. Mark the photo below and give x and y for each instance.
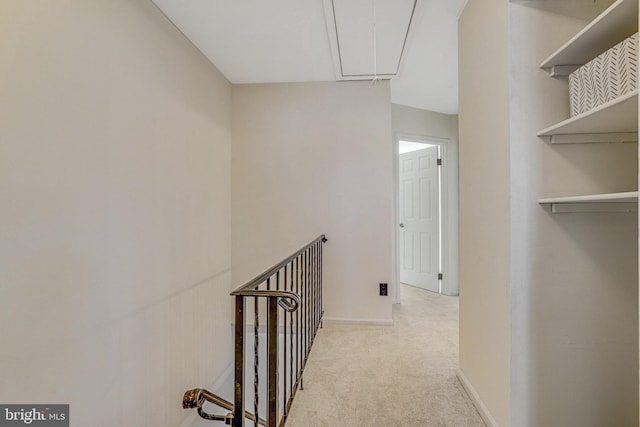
(384, 376)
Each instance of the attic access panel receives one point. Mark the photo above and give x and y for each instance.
(351, 28)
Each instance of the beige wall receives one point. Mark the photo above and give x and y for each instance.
(485, 204)
(115, 182)
(314, 158)
(414, 121)
(410, 123)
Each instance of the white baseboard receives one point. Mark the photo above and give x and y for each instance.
(350, 321)
(475, 399)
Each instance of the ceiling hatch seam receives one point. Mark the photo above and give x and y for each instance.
(404, 44)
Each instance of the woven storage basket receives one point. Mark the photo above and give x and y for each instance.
(607, 77)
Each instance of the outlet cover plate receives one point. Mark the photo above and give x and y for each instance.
(384, 289)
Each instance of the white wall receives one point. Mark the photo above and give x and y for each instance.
(484, 204)
(115, 182)
(313, 158)
(411, 122)
(574, 276)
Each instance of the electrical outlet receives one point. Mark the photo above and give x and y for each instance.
(384, 291)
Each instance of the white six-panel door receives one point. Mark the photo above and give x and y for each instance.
(419, 218)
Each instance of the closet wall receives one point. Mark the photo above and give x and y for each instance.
(572, 277)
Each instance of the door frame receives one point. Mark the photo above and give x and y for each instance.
(444, 208)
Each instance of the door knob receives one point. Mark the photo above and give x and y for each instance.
(401, 225)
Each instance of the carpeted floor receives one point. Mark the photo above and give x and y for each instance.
(387, 376)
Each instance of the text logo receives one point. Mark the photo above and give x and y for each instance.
(34, 415)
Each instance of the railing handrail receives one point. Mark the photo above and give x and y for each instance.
(196, 397)
(258, 280)
(287, 306)
(295, 285)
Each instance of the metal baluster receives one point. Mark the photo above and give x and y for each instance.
(284, 353)
(315, 290)
(256, 357)
(318, 287)
(303, 307)
(298, 325)
(291, 343)
(238, 407)
(321, 288)
(310, 306)
(272, 362)
(306, 305)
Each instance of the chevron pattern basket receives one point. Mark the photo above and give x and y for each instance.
(607, 77)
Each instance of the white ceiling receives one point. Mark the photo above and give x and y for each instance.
(258, 41)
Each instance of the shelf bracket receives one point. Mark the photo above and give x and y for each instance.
(586, 138)
(562, 70)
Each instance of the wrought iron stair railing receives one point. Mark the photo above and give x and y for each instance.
(295, 286)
